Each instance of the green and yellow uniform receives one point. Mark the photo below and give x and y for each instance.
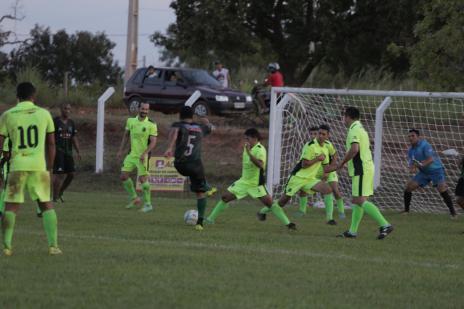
(306, 178)
(361, 167)
(139, 132)
(252, 181)
(27, 125)
(332, 176)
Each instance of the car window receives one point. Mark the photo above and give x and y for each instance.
(201, 77)
(138, 77)
(171, 77)
(153, 78)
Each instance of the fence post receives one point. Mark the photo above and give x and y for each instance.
(100, 128)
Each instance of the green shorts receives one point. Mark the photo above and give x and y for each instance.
(332, 177)
(242, 189)
(133, 162)
(295, 184)
(37, 184)
(363, 185)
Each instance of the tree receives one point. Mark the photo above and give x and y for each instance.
(85, 56)
(438, 57)
(299, 34)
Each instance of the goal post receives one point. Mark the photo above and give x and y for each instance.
(387, 116)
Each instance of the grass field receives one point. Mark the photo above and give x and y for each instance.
(118, 258)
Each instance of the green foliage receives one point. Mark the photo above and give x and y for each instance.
(299, 34)
(117, 258)
(438, 57)
(85, 56)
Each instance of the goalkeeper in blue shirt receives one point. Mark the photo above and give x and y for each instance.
(424, 161)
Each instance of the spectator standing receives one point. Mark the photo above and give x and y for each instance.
(222, 74)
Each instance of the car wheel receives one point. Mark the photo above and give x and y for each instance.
(134, 105)
(201, 109)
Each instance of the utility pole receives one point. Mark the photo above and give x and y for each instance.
(132, 39)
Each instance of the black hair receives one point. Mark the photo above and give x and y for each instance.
(150, 67)
(414, 131)
(186, 112)
(25, 91)
(352, 112)
(253, 132)
(324, 127)
(313, 129)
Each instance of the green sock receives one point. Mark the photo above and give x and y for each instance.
(303, 204)
(340, 206)
(50, 224)
(8, 224)
(2, 202)
(375, 213)
(356, 216)
(265, 210)
(220, 207)
(129, 186)
(329, 206)
(146, 193)
(279, 213)
(201, 206)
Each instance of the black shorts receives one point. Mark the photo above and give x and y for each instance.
(64, 164)
(195, 172)
(460, 187)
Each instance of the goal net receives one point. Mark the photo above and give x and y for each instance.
(387, 116)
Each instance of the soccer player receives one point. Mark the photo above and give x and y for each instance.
(31, 131)
(186, 137)
(361, 170)
(4, 168)
(425, 161)
(459, 191)
(304, 175)
(252, 181)
(303, 201)
(142, 133)
(328, 173)
(65, 139)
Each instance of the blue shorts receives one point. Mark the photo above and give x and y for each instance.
(436, 177)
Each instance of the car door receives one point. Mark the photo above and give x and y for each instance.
(175, 90)
(151, 88)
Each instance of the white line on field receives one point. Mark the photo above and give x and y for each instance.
(259, 250)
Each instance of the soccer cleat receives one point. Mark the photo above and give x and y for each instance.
(146, 208)
(135, 202)
(198, 227)
(54, 251)
(7, 252)
(332, 222)
(341, 215)
(404, 212)
(346, 234)
(261, 217)
(211, 191)
(299, 214)
(291, 226)
(454, 216)
(39, 214)
(384, 231)
(209, 221)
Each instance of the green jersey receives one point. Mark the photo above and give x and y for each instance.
(188, 142)
(250, 172)
(27, 125)
(310, 151)
(140, 132)
(362, 162)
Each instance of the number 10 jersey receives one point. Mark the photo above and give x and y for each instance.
(27, 125)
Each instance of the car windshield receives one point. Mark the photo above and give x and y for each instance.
(200, 77)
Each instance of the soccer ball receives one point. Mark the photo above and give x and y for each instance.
(191, 217)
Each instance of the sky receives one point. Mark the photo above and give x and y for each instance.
(109, 16)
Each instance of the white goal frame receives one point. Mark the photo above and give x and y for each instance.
(284, 94)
